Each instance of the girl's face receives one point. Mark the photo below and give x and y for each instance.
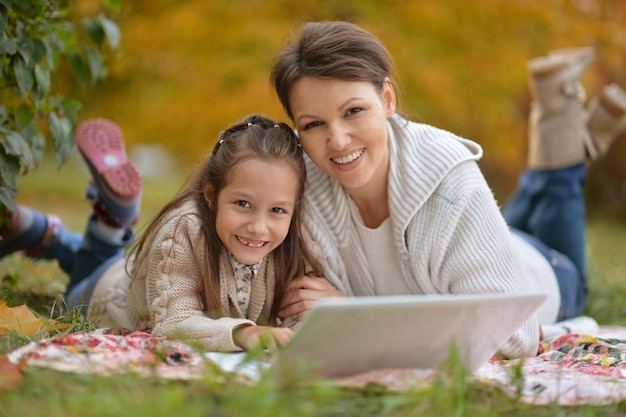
(254, 209)
(342, 126)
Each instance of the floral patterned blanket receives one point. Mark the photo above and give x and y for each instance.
(112, 351)
(571, 369)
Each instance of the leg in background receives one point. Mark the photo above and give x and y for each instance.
(40, 236)
(115, 194)
(548, 208)
(549, 203)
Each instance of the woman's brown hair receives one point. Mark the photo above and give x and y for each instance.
(331, 49)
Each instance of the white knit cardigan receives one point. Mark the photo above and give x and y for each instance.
(448, 230)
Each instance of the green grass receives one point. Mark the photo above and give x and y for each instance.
(50, 393)
(607, 271)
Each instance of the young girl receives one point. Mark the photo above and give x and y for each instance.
(214, 263)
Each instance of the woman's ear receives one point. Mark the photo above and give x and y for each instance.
(389, 97)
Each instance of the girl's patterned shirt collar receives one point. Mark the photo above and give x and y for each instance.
(244, 274)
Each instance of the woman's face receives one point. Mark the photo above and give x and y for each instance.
(343, 128)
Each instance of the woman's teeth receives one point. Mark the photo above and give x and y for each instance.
(349, 158)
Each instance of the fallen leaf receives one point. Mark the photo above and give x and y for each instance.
(10, 374)
(22, 321)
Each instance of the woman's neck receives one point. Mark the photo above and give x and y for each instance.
(371, 199)
(373, 215)
(372, 204)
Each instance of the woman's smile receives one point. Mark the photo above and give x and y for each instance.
(348, 159)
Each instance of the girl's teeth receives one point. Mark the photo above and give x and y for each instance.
(250, 244)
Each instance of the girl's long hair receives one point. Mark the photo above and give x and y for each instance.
(256, 137)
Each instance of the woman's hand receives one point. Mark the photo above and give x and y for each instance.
(247, 337)
(303, 293)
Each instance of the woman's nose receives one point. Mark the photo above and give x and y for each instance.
(338, 137)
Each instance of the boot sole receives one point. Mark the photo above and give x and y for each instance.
(101, 143)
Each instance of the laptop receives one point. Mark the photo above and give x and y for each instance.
(346, 336)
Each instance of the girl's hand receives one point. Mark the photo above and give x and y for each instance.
(247, 337)
(303, 293)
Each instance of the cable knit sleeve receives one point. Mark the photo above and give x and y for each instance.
(173, 286)
(459, 240)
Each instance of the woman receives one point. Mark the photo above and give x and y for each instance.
(402, 208)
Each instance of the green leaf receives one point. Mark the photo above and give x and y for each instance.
(55, 43)
(79, 67)
(8, 46)
(17, 146)
(42, 76)
(66, 107)
(24, 48)
(112, 31)
(9, 170)
(114, 5)
(23, 76)
(9, 176)
(61, 128)
(7, 199)
(7, 3)
(98, 71)
(38, 50)
(36, 141)
(3, 18)
(23, 115)
(95, 31)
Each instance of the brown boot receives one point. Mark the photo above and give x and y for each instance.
(558, 135)
(607, 117)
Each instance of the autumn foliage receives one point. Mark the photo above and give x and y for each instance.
(187, 69)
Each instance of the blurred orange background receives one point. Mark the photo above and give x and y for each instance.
(187, 69)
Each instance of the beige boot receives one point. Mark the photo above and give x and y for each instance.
(607, 117)
(558, 135)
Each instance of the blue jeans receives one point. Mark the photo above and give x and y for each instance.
(548, 211)
(84, 258)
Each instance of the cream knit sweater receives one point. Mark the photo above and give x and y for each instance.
(449, 234)
(164, 294)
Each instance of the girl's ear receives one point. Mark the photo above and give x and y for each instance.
(208, 195)
(389, 97)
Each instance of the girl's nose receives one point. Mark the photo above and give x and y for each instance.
(258, 225)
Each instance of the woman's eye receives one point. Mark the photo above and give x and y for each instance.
(242, 203)
(278, 210)
(311, 125)
(353, 110)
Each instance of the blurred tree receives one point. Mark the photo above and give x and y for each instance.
(35, 36)
(188, 68)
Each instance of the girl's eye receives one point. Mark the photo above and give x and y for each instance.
(243, 203)
(311, 125)
(278, 210)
